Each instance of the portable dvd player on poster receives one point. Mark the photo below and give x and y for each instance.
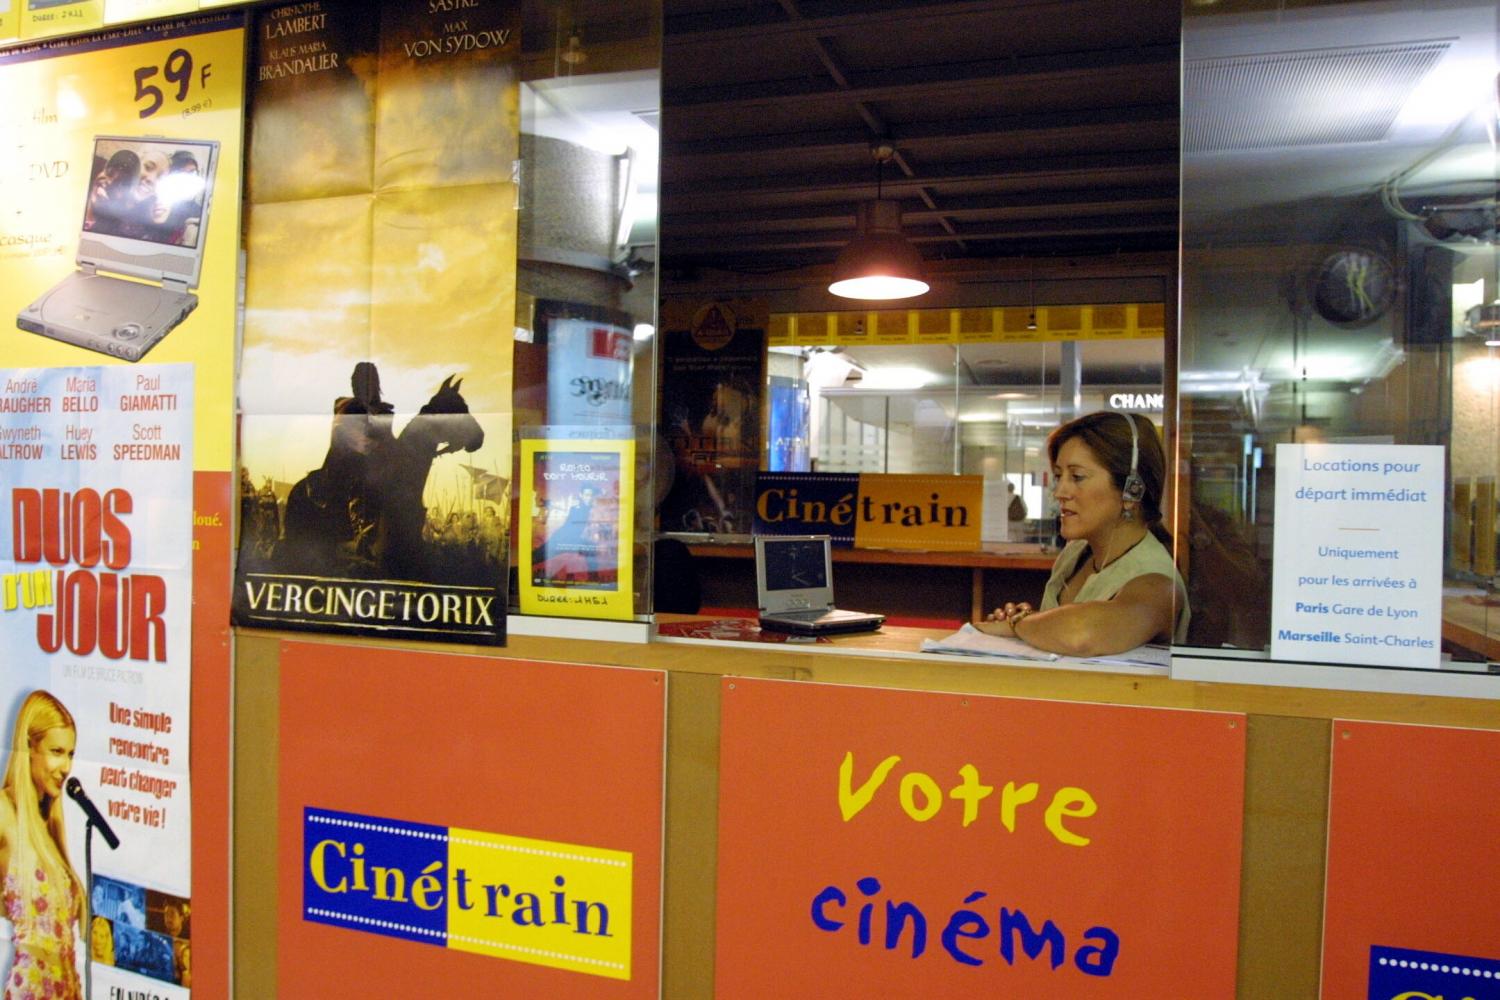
(140, 247)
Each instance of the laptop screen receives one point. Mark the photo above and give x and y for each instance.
(795, 563)
(793, 572)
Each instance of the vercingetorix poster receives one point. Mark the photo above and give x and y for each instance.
(380, 296)
(96, 514)
(712, 403)
(575, 538)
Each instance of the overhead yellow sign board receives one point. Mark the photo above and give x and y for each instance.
(1002, 324)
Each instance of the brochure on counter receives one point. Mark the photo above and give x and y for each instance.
(970, 641)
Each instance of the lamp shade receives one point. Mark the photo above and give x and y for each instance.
(878, 263)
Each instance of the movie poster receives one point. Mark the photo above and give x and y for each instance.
(380, 293)
(712, 399)
(588, 363)
(124, 152)
(95, 618)
(575, 539)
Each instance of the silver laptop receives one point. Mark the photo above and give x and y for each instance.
(794, 586)
(140, 247)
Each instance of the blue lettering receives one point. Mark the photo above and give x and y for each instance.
(1032, 942)
(1098, 960)
(897, 915)
(1096, 954)
(965, 923)
(819, 906)
(869, 886)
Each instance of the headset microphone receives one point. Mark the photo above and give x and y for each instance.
(1134, 490)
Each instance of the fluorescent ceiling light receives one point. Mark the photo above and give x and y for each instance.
(896, 378)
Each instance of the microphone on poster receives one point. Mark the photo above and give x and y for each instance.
(75, 791)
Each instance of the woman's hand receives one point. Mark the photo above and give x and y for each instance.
(1010, 613)
(1003, 620)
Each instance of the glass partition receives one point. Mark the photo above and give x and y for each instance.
(1339, 291)
(586, 290)
(979, 405)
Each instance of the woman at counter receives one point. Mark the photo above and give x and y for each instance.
(1114, 586)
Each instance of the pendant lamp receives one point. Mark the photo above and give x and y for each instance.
(878, 263)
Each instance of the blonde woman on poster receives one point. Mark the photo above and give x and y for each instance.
(43, 898)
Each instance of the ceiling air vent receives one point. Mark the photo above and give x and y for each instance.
(1314, 97)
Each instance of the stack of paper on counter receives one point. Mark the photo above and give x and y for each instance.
(969, 641)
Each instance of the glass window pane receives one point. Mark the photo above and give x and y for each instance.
(1339, 268)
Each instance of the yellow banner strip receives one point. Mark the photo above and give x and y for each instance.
(1001, 324)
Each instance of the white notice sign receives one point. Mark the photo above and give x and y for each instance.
(1358, 572)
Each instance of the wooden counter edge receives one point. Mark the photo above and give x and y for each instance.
(960, 675)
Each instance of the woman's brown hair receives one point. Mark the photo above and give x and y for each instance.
(1108, 436)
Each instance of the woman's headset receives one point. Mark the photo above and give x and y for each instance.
(1134, 490)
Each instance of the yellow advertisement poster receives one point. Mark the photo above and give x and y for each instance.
(578, 505)
(119, 246)
(10, 21)
(120, 209)
(44, 18)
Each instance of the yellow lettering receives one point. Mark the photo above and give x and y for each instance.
(763, 508)
(1012, 797)
(358, 865)
(319, 870)
(852, 800)
(930, 792)
(390, 883)
(426, 884)
(1070, 802)
(971, 792)
(843, 511)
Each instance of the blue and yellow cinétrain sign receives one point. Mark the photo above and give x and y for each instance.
(553, 904)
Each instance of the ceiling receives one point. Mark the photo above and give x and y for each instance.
(1019, 128)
